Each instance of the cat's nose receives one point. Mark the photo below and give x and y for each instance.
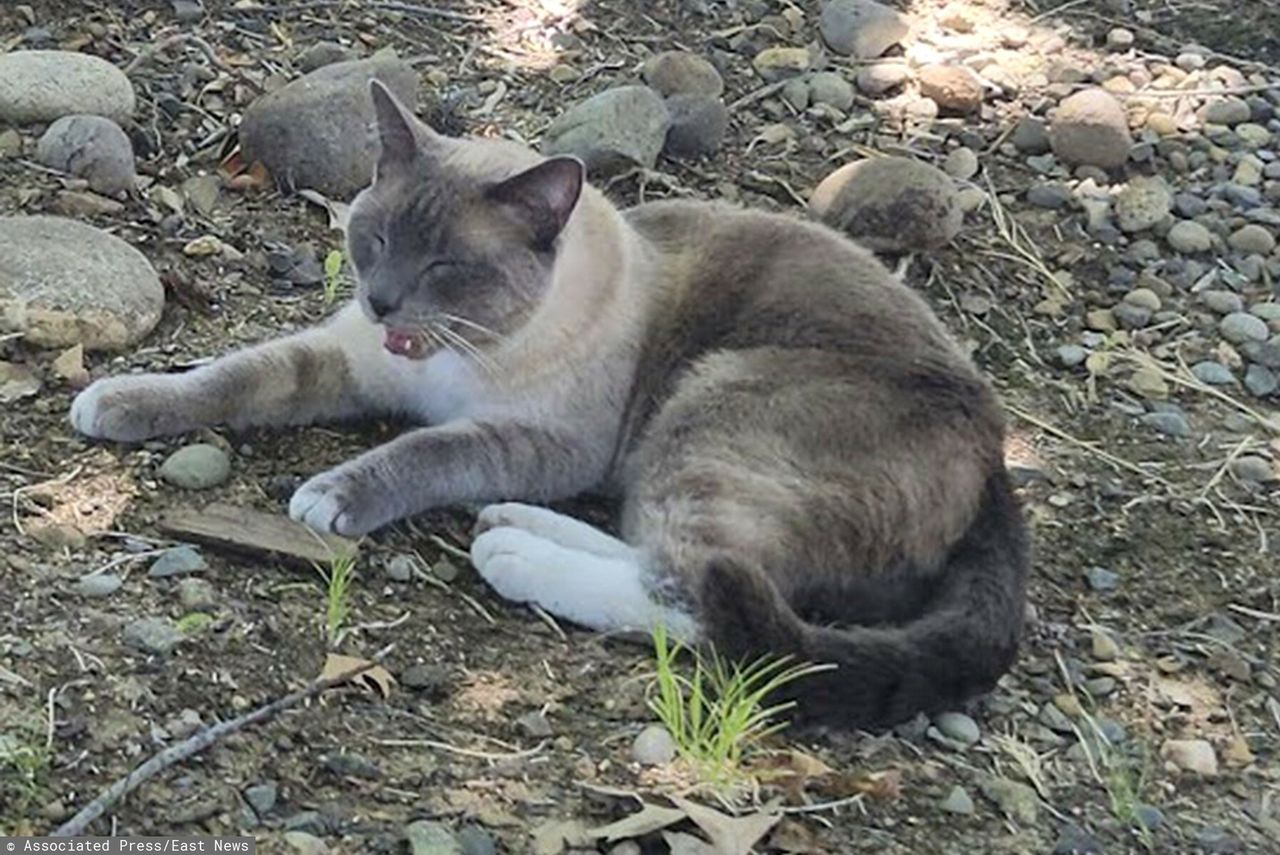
(381, 306)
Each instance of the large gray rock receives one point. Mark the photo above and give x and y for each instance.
(43, 85)
(63, 283)
(90, 147)
(318, 132)
(892, 204)
(863, 29)
(1090, 127)
(612, 131)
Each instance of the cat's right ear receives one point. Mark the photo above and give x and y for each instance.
(400, 134)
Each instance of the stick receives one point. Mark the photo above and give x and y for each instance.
(380, 6)
(198, 742)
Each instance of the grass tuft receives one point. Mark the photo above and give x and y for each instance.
(338, 578)
(332, 276)
(717, 714)
(25, 758)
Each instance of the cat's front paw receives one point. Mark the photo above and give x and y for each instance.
(127, 409)
(342, 501)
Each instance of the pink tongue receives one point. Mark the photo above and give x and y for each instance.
(401, 343)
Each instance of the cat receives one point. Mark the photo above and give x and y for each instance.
(806, 463)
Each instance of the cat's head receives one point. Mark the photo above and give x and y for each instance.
(455, 242)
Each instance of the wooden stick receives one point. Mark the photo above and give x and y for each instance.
(198, 742)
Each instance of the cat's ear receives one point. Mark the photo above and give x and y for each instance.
(543, 197)
(400, 134)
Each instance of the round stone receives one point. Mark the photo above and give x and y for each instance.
(863, 29)
(64, 283)
(44, 85)
(1226, 111)
(98, 585)
(197, 467)
(611, 131)
(827, 87)
(679, 72)
(1189, 237)
(1252, 238)
(1143, 203)
(957, 727)
(698, 125)
(956, 89)
(653, 746)
(1091, 127)
(1120, 39)
(880, 77)
(90, 147)
(1241, 327)
(961, 163)
(892, 204)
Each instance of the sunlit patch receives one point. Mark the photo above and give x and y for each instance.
(88, 500)
(1020, 452)
(524, 32)
(485, 693)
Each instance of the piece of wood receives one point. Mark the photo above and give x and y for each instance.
(244, 530)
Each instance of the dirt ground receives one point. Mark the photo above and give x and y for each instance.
(510, 725)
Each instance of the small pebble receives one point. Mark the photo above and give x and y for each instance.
(1189, 237)
(1102, 646)
(958, 801)
(957, 727)
(1250, 467)
(152, 635)
(98, 585)
(653, 746)
(1191, 755)
(1241, 327)
(197, 467)
(179, 561)
(1101, 579)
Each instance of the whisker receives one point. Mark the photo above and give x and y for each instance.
(481, 328)
(458, 342)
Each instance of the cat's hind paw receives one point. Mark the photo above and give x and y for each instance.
(549, 525)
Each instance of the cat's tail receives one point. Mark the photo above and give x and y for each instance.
(959, 646)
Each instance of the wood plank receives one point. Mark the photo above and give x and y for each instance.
(243, 530)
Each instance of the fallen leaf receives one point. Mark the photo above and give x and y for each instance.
(336, 664)
(730, 835)
(648, 819)
(796, 838)
(556, 835)
(17, 382)
(70, 366)
(680, 843)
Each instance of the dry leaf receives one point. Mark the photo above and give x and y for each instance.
(796, 838)
(17, 382)
(70, 366)
(556, 835)
(883, 786)
(731, 835)
(648, 819)
(375, 677)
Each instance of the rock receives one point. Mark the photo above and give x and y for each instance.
(1143, 203)
(1188, 236)
(961, 163)
(314, 133)
(1260, 381)
(196, 467)
(1241, 327)
(76, 205)
(956, 89)
(958, 802)
(1222, 302)
(863, 29)
(305, 844)
(653, 746)
(890, 204)
(1189, 205)
(431, 838)
(1191, 755)
(1149, 817)
(778, 63)
(1169, 424)
(152, 635)
(1071, 355)
(796, 93)
(679, 72)
(1091, 127)
(1018, 801)
(64, 283)
(1051, 195)
(880, 77)
(476, 841)
(1102, 646)
(1074, 840)
(957, 727)
(10, 143)
(179, 561)
(262, 797)
(534, 724)
(1119, 39)
(45, 85)
(698, 125)
(1100, 320)
(98, 585)
(1213, 373)
(90, 147)
(1100, 579)
(827, 87)
(1252, 238)
(321, 54)
(1253, 136)
(612, 131)
(352, 766)
(400, 568)
(1226, 111)
(1258, 470)
(1214, 840)
(1031, 135)
(431, 680)
(197, 595)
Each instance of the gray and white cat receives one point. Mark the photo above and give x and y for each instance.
(806, 462)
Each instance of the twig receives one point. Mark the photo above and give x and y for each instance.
(1107, 456)
(757, 95)
(1270, 617)
(387, 6)
(173, 41)
(198, 742)
(1226, 465)
(463, 752)
(545, 617)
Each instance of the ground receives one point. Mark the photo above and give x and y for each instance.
(510, 722)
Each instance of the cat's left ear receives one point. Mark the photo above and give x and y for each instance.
(543, 197)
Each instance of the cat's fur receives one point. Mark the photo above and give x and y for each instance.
(807, 464)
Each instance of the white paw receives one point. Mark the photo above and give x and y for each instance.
(549, 525)
(125, 409)
(514, 562)
(340, 502)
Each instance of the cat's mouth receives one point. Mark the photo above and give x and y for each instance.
(411, 344)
